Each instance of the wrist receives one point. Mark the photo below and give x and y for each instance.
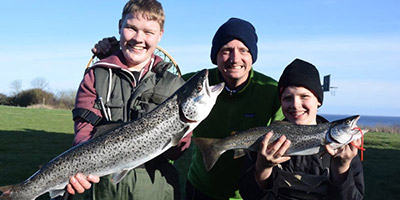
(262, 176)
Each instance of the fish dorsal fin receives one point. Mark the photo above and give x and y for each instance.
(117, 177)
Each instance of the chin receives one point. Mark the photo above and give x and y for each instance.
(299, 120)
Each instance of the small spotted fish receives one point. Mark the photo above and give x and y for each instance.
(127, 145)
(305, 139)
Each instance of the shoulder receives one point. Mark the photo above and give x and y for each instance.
(262, 85)
(263, 79)
(321, 119)
(165, 77)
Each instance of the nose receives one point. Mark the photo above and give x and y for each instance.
(139, 35)
(297, 103)
(234, 56)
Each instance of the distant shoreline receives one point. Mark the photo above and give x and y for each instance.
(383, 124)
(368, 120)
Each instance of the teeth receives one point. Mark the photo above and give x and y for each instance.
(135, 47)
(297, 113)
(235, 67)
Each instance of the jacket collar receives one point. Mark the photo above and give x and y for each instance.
(241, 89)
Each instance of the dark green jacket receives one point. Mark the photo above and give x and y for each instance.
(256, 104)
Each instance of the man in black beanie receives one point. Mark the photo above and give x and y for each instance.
(250, 99)
(234, 50)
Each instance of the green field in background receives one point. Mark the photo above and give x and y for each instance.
(32, 137)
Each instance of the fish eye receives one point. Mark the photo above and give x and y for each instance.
(199, 88)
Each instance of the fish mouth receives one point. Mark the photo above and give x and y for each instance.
(213, 90)
(348, 134)
(354, 122)
(216, 89)
(355, 127)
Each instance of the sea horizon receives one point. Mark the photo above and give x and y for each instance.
(367, 120)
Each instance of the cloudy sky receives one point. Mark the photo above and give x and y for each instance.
(357, 42)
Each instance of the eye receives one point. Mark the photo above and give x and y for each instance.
(243, 50)
(199, 88)
(149, 33)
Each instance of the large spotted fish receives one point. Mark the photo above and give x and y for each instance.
(126, 146)
(305, 139)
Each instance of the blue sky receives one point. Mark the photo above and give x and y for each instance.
(357, 42)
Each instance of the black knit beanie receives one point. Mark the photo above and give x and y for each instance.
(301, 73)
(235, 28)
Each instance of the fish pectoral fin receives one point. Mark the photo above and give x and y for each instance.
(238, 153)
(175, 140)
(117, 177)
(56, 192)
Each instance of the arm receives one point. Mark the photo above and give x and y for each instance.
(268, 157)
(347, 179)
(257, 175)
(85, 98)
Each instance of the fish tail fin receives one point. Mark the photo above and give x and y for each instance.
(210, 151)
(6, 190)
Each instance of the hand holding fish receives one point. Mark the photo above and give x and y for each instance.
(342, 158)
(79, 183)
(269, 156)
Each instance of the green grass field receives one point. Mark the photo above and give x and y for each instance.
(31, 137)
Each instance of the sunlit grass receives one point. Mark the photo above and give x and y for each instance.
(30, 137)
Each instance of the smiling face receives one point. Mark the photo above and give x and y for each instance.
(234, 62)
(299, 105)
(138, 39)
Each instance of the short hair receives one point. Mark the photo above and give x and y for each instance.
(149, 9)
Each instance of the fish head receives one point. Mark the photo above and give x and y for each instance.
(345, 130)
(197, 98)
